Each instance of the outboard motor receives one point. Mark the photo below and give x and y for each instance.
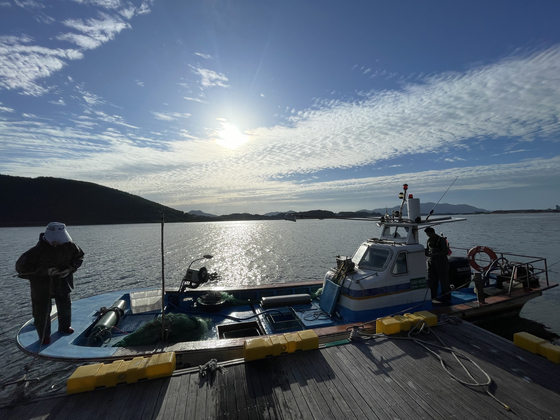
(459, 272)
(194, 278)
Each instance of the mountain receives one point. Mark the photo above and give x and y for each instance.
(276, 213)
(38, 201)
(441, 208)
(201, 213)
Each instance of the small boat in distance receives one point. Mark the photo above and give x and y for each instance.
(386, 276)
(290, 216)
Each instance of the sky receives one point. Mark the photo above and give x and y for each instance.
(258, 106)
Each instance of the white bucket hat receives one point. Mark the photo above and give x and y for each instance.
(56, 232)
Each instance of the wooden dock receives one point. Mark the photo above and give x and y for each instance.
(381, 378)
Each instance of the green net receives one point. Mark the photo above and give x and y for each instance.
(181, 328)
(232, 301)
(215, 298)
(317, 294)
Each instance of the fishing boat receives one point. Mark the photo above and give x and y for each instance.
(386, 276)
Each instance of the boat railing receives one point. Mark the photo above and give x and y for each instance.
(517, 267)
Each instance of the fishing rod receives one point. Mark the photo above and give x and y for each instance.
(432, 210)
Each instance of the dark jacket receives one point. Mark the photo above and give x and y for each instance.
(33, 264)
(436, 249)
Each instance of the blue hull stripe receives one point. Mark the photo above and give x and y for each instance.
(385, 290)
(372, 314)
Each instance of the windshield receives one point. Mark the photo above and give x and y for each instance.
(392, 232)
(371, 258)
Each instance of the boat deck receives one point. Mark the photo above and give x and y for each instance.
(380, 378)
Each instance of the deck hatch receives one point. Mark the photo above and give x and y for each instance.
(284, 320)
(239, 330)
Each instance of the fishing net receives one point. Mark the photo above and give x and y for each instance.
(317, 294)
(181, 328)
(230, 300)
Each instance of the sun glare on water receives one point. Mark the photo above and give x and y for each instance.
(230, 136)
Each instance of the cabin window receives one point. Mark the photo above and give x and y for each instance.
(359, 254)
(400, 266)
(394, 232)
(374, 258)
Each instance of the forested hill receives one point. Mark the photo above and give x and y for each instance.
(38, 201)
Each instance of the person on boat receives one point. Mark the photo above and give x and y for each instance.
(49, 267)
(438, 266)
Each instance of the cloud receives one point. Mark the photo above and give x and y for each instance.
(194, 100)
(59, 102)
(22, 65)
(106, 4)
(95, 32)
(5, 108)
(90, 98)
(516, 99)
(205, 56)
(169, 116)
(210, 78)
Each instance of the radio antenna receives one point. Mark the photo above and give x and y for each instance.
(432, 210)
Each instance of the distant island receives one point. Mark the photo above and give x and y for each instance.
(38, 201)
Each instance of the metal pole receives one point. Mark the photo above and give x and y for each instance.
(162, 282)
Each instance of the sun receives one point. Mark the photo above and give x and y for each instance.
(230, 136)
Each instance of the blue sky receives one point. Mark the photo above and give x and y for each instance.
(258, 106)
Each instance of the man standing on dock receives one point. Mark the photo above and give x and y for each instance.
(49, 267)
(438, 266)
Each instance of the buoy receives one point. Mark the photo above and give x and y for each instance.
(473, 252)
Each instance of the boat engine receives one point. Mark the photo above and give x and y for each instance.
(459, 272)
(194, 278)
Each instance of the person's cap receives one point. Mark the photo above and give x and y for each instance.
(56, 232)
(429, 229)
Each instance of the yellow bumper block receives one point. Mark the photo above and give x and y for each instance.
(100, 375)
(395, 324)
(387, 326)
(275, 345)
(83, 379)
(528, 341)
(537, 345)
(294, 342)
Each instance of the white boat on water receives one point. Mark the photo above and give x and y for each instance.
(386, 276)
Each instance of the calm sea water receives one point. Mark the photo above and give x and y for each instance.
(245, 253)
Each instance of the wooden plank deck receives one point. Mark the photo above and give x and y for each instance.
(381, 378)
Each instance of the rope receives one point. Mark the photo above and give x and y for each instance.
(27, 367)
(422, 327)
(210, 366)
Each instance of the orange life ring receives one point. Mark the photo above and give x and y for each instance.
(478, 249)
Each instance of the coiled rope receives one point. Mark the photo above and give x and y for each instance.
(422, 327)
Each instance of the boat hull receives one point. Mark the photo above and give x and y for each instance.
(193, 353)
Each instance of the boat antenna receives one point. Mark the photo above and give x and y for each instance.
(432, 210)
(162, 280)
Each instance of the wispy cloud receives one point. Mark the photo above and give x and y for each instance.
(194, 100)
(94, 32)
(107, 4)
(22, 65)
(517, 98)
(169, 116)
(60, 102)
(210, 78)
(205, 56)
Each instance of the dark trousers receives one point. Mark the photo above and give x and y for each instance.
(438, 273)
(42, 292)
